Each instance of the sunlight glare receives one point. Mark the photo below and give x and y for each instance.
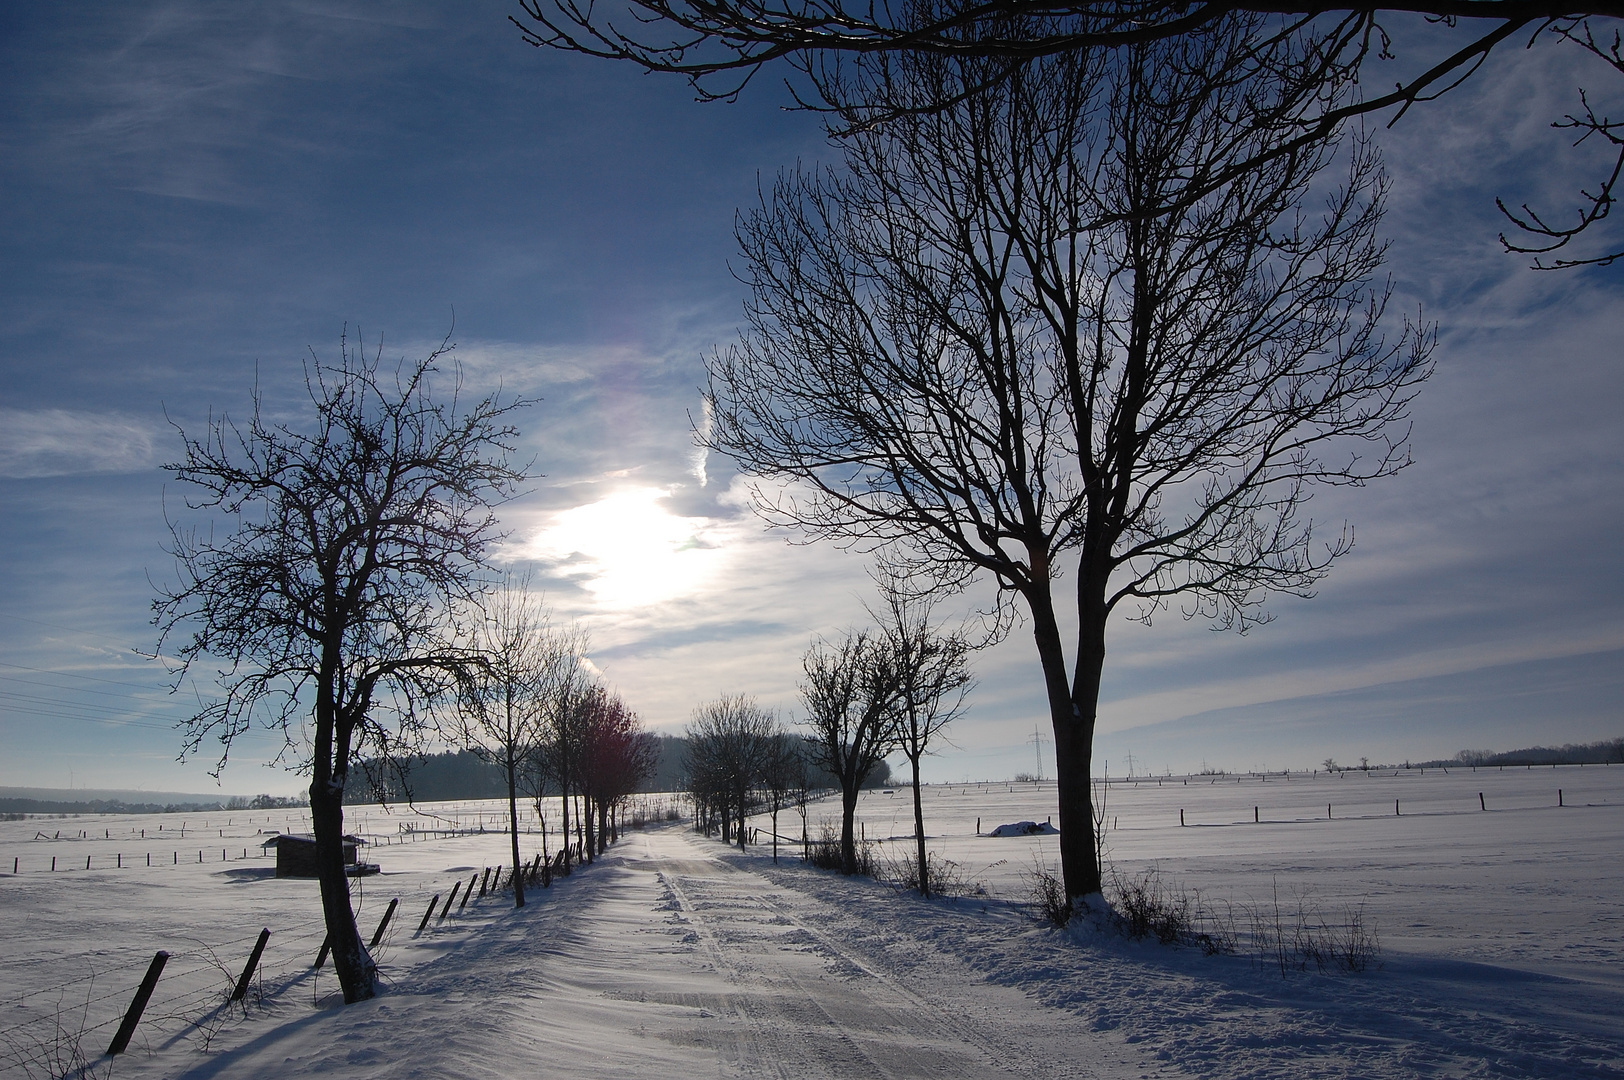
(637, 552)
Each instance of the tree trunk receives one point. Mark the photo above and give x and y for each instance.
(775, 832)
(848, 842)
(351, 962)
(513, 826)
(564, 800)
(919, 830)
(1073, 707)
(591, 845)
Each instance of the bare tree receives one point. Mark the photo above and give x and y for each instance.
(948, 358)
(728, 740)
(351, 539)
(784, 777)
(932, 681)
(566, 693)
(721, 44)
(616, 755)
(849, 691)
(503, 696)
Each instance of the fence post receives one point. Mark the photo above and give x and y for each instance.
(377, 935)
(138, 1004)
(1481, 805)
(450, 900)
(253, 962)
(484, 880)
(469, 891)
(427, 913)
(321, 955)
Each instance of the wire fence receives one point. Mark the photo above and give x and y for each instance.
(66, 1023)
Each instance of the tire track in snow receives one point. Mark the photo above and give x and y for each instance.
(806, 1021)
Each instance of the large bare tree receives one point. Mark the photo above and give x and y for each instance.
(970, 348)
(721, 44)
(348, 539)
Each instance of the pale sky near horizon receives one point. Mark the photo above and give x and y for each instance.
(196, 195)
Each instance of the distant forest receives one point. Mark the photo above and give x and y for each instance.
(1608, 751)
(118, 806)
(100, 806)
(462, 774)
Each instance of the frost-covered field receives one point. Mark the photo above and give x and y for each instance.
(1502, 936)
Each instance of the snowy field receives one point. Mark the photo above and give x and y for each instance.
(1501, 934)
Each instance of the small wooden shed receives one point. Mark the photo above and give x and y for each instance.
(296, 854)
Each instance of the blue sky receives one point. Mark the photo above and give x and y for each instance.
(194, 195)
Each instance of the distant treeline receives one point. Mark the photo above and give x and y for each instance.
(462, 774)
(1596, 753)
(100, 806)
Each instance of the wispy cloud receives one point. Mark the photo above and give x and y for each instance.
(59, 442)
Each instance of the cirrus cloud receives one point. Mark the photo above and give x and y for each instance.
(63, 442)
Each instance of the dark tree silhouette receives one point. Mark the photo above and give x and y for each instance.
(503, 698)
(784, 776)
(351, 539)
(616, 755)
(950, 357)
(567, 692)
(933, 679)
(728, 743)
(849, 691)
(721, 44)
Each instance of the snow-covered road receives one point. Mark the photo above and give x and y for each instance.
(1496, 895)
(669, 959)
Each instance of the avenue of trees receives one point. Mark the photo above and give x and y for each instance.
(529, 707)
(867, 695)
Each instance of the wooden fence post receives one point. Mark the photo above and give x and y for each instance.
(253, 962)
(383, 924)
(427, 913)
(321, 954)
(450, 900)
(469, 891)
(138, 1004)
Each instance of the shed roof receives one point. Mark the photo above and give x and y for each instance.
(305, 838)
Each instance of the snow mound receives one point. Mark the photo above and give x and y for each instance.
(1026, 828)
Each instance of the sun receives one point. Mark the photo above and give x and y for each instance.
(629, 550)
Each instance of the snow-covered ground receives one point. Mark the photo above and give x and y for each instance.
(1502, 936)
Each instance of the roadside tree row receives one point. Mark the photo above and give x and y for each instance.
(867, 695)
